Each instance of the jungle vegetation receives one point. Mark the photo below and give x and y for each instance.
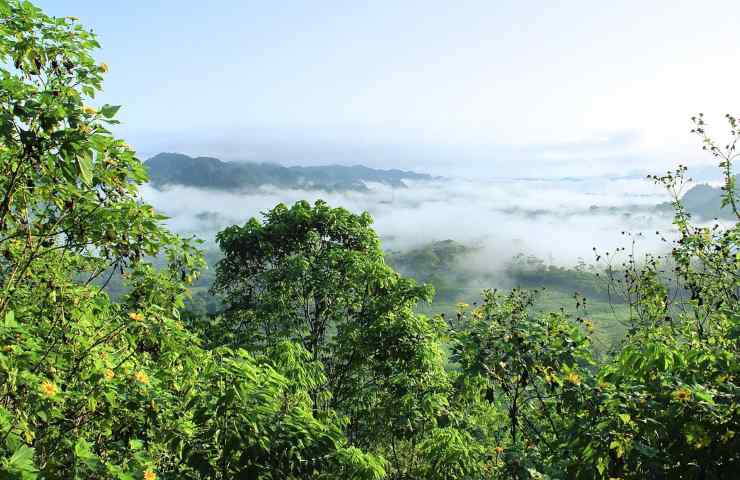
(318, 363)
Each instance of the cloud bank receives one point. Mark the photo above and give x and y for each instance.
(559, 221)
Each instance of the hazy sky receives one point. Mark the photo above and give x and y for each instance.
(515, 88)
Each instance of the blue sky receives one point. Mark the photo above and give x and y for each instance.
(515, 88)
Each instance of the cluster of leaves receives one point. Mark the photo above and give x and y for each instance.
(96, 388)
(663, 403)
(316, 275)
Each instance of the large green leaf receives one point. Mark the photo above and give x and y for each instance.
(84, 166)
(21, 463)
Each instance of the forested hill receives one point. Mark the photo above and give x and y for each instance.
(704, 201)
(207, 172)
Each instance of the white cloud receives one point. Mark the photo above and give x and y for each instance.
(552, 219)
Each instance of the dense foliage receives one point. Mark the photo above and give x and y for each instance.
(314, 361)
(315, 275)
(91, 388)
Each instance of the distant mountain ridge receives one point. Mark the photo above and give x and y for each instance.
(168, 169)
(704, 201)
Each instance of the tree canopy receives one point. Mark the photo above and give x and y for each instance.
(316, 363)
(91, 388)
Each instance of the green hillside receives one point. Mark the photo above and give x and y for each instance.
(704, 202)
(211, 173)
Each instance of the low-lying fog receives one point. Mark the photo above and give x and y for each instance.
(560, 221)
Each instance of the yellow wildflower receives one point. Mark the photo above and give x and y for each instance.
(89, 110)
(103, 67)
(48, 389)
(136, 316)
(141, 377)
(573, 378)
(109, 374)
(150, 475)
(498, 450)
(682, 394)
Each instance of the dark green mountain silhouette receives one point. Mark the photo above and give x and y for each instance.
(703, 201)
(206, 172)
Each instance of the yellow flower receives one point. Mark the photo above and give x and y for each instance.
(109, 374)
(89, 110)
(498, 450)
(48, 389)
(103, 67)
(136, 316)
(573, 378)
(682, 394)
(7, 348)
(150, 475)
(141, 377)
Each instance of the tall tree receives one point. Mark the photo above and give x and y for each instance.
(316, 275)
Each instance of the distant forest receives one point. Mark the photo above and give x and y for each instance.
(206, 172)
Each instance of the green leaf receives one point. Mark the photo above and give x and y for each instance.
(84, 167)
(21, 462)
(10, 319)
(601, 464)
(109, 111)
(704, 396)
(82, 449)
